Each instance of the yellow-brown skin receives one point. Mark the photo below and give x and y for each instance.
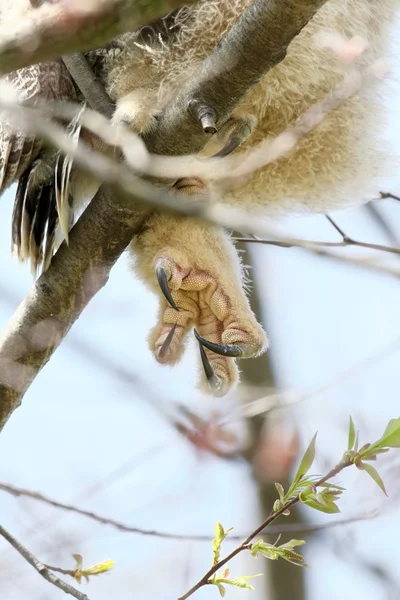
(323, 173)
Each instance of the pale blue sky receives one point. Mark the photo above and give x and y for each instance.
(77, 425)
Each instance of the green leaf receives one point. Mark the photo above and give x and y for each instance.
(280, 491)
(268, 550)
(220, 535)
(221, 589)
(352, 435)
(391, 435)
(306, 461)
(372, 472)
(295, 559)
(329, 508)
(292, 544)
(240, 582)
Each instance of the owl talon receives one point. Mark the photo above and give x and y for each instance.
(229, 147)
(232, 134)
(213, 380)
(162, 352)
(231, 350)
(162, 279)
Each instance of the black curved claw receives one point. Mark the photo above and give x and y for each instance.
(224, 350)
(212, 379)
(162, 279)
(230, 146)
(167, 342)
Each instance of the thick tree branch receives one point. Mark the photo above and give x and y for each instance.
(257, 43)
(40, 567)
(58, 297)
(254, 45)
(91, 87)
(67, 26)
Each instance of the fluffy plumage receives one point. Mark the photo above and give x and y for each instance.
(332, 167)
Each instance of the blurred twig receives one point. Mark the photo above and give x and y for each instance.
(272, 530)
(40, 567)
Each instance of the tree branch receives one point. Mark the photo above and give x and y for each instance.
(41, 568)
(255, 44)
(205, 580)
(58, 297)
(90, 86)
(68, 26)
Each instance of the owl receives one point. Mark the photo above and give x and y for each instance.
(194, 267)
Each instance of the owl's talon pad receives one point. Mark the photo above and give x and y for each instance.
(215, 307)
(162, 279)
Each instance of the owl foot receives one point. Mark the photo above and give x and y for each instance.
(225, 326)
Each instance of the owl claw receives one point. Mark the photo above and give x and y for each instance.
(229, 147)
(166, 343)
(162, 279)
(233, 134)
(211, 377)
(234, 351)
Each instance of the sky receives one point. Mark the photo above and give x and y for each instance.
(84, 436)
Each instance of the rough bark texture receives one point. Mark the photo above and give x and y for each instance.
(58, 297)
(257, 42)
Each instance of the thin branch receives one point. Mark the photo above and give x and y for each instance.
(205, 580)
(312, 245)
(273, 530)
(348, 241)
(41, 568)
(68, 26)
(363, 263)
(256, 43)
(385, 195)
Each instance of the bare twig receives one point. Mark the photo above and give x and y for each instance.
(385, 195)
(312, 245)
(40, 567)
(272, 530)
(363, 263)
(206, 579)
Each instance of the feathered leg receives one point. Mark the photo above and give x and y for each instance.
(200, 267)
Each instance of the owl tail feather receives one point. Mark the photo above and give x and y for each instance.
(63, 176)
